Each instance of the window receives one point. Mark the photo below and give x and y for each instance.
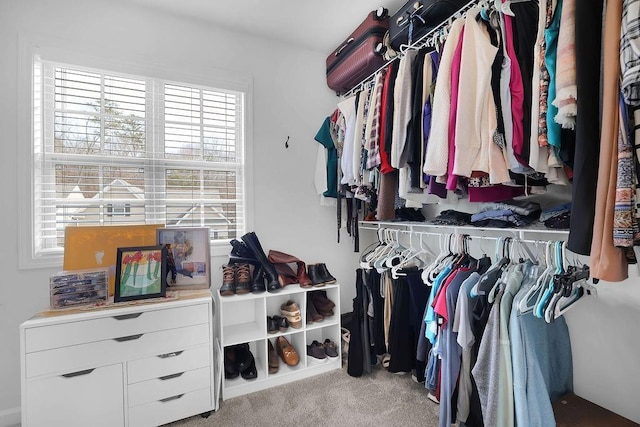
(123, 149)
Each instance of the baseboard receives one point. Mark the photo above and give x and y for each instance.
(10, 417)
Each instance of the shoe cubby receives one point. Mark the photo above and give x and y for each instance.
(243, 319)
(258, 349)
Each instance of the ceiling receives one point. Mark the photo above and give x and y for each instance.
(316, 25)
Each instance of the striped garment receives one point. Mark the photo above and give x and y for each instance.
(373, 138)
(625, 224)
(630, 52)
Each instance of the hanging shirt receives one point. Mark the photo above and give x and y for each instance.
(403, 96)
(462, 326)
(348, 109)
(630, 52)
(551, 38)
(330, 175)
(438, 149)
(473, 125)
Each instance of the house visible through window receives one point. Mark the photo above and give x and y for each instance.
(121, 149)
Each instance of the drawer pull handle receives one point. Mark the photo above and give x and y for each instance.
(172, 354)
(169, 399)
(169, 377)
(79, 373)
(127, 316)
(128, 338)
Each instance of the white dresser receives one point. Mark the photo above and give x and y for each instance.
(140, 365)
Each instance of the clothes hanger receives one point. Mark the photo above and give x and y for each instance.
(427, 271)
(549, 290)
(490, 278)
(523, 305)
(506, 6)
(414, 256)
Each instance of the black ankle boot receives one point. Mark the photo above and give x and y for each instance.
(315, 276)
(252, 242)
(324, 274)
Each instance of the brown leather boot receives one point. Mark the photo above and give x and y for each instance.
(302, 278)
(228, 287)
(243, 278)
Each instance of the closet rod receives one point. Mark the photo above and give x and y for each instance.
(420, 43)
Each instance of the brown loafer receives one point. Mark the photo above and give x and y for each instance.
(287, 352)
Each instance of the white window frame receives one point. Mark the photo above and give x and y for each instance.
(30, 48)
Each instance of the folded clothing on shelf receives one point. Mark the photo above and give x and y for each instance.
(451, 217)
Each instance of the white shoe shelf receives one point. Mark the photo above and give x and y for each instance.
(243, 319)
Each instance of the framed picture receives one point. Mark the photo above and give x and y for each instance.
(141, 272)
(187, 257)
(96, 246)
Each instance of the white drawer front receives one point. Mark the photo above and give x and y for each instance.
(169, 363)
(105, 352)
(182, 406)
(81, 398)
(108, 327)
(169, 385)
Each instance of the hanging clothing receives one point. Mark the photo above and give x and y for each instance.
(525, 25)
(608, 262)
(475, 115)
(437, 151)
(566, 89)
(402, 95)
(348, 109)
(587, 150)
(630, 51)
(551, 54)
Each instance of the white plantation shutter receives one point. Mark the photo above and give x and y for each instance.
(116, 149)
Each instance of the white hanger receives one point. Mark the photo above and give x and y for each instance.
(523, 305)
(506, 6)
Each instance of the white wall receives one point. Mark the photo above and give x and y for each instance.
(290, 99)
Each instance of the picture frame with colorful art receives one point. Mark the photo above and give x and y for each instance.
(188, 256)
(141, 273)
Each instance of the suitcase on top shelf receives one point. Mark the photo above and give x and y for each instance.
(359, 55)
(423, 15)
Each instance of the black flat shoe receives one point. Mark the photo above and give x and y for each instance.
(244, 358)
(230, 368)
(272, 325)
(250, 372)
(282, 323)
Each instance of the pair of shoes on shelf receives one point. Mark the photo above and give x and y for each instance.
(291, 310)
(321, 352)
(286, 275)
(274, 362)
(323, 305)
(286, 352)
(249, 250)
(236, 279)
(238, 360)
(277, 323)
(312, 312)
(319, 275)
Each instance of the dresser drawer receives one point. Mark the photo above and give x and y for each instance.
(108, 327)
(84, 356)
(171, 409)
(91, 397)
(169, 385)
(168, 363)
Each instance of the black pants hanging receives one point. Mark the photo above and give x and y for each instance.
(403, 335)
(377, 329)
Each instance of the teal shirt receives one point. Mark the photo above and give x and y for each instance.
(324, 137)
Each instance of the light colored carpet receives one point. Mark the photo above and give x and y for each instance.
(330, 399)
